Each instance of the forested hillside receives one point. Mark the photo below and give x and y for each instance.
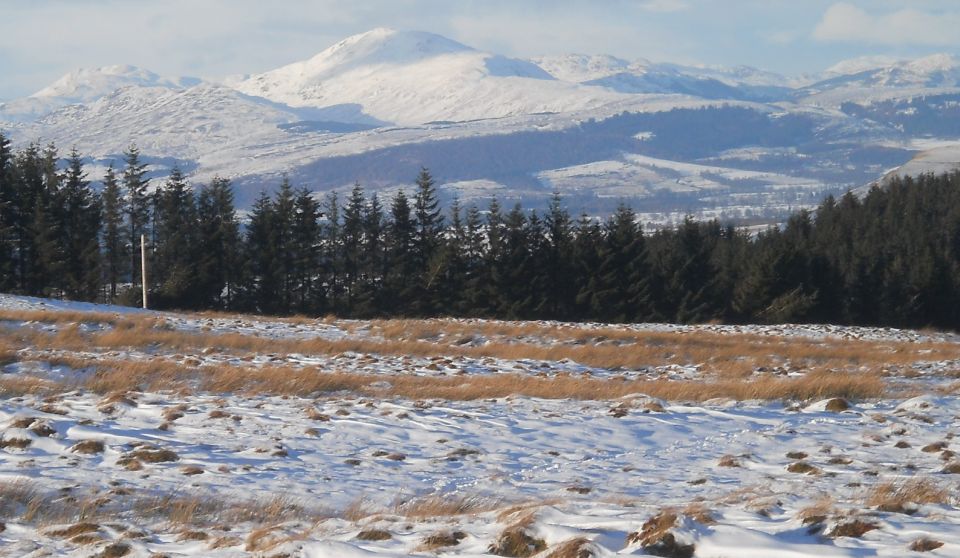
(890, 258)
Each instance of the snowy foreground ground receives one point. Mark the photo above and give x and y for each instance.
(194, 469)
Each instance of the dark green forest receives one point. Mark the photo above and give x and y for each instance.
(890, 258)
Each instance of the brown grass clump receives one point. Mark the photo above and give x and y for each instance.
(837, 405)
(925, 545)
(818, 512)
(115, 550)
(22, 422)
(516, 542)
(262, 539)
(86, 539)
(17, 386)
(699, 512)
(446, 506)
(802, 467)
(934, 447)
(191, 470)
(441, 540)
(74, 530)
(193, 536)
(374, 535)
(952, 468)
(796, 455)
(728, 461)
(903, 497)
(42, 428)
(855, 528)
(574, 548)
(655, 537)
(16, 443)
(152, 455)
(88, 447)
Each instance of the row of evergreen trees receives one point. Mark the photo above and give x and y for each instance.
(890, 258)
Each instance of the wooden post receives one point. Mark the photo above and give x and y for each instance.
(143, 266)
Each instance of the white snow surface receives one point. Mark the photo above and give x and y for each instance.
(411, 77)
(586, 472)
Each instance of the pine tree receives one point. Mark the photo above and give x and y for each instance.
(175, 272)
(400, 279)
(47, 273)
(368, 300)
(262, 291)
(306, 252)
(137, 207)
(561, 289)
(220, 270)
(284, 216)
(80, 229)
(114, 248)
(619, 288)
(7, 215)
(428, 258)
(332, 252)
(352, 235)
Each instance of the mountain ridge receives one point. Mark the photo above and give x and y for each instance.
(375, 105)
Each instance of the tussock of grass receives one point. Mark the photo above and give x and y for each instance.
(656, 538)
(904, 496)
(446, 506)
(575, 548)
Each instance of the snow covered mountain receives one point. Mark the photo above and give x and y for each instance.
(671, 139)
(84, 86)
(410, 78)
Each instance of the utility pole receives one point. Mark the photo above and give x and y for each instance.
(143, 267)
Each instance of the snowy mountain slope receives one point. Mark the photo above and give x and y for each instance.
(377, 106)
(876, 79)
(85, 86)
(411, 78)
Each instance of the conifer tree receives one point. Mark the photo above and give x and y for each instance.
(263, 273)
(306, 250)
(368, 299)
(220, 273)
(352, 235)
(7, 214)
(175, 273)
(114, 246)
(137, 206)
(401, 276)
(80, 228)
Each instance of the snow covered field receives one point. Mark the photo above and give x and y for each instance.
(130, 433)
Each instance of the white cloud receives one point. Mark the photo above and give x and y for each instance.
(845, 22)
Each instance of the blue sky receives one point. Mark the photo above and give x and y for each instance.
(41, 40)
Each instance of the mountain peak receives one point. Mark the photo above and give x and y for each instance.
(85, 84)
(386, 46)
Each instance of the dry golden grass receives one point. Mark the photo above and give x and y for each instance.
(903, 496)
(818, 511)
(849, 369)
(123, 375)
(574, 548)
(19, 385)
(516, 541)
(441, 539)
(446, 506)
(730, 356)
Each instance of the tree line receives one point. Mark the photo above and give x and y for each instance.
(891, 257)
